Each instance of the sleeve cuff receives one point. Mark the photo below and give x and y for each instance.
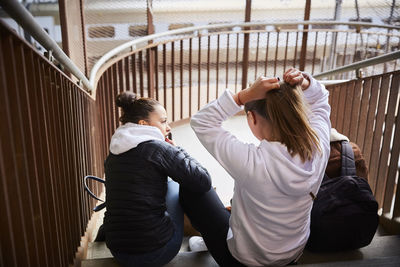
(313, 89)
(228, 104)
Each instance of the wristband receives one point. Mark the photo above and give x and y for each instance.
(238, 97)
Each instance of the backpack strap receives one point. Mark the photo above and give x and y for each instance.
(348, 164)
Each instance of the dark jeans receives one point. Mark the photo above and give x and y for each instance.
(165, 254)
(209, 216)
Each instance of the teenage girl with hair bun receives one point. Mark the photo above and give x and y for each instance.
(143, 222)
(275, 182)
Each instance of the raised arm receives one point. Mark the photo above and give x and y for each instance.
(316, 97)
(236, 157)
(232, 154)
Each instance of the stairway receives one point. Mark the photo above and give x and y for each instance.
(383, 251)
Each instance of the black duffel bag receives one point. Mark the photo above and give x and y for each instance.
(345, 213)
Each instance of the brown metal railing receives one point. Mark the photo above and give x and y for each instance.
(47, 144)
(204, 64)
(367, 111)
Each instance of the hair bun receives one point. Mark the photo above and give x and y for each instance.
(125, 99)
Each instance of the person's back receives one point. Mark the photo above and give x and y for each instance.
(271, 206)
(135, 219)
(274, 182)
(144, 221)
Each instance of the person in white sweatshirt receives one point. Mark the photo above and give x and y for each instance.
(275, 182)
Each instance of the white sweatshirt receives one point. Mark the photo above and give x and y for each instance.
(271, 204)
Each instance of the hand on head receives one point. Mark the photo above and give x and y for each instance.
(295, 77)
(257, 90)
(261, 86)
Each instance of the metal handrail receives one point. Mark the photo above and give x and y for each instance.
(134, 43)
(361, 64)
(27, 21)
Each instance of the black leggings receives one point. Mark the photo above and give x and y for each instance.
(209, 216)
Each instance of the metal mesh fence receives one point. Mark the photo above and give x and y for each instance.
(48, 19)
(111, 23)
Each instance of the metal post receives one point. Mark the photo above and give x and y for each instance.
(337, 15)
(391, 12)
(150, 52)
(245, 65)
(388, 33)
(303, 53)
(357, 10)
(84, 38)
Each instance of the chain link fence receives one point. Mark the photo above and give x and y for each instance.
(111, 23)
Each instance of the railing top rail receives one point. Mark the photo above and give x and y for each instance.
(152, 37)
(27, 21)
(361, 64)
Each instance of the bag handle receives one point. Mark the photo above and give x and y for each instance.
(348, 163)
(85, 183)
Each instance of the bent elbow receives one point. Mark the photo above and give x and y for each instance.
(206, 186)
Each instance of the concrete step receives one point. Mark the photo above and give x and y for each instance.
(383, 251)
(183, 259)
(393, 261)
(201, 259)
(381, 246)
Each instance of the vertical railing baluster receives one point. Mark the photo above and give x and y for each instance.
(133, 64)
(344, 52)
(266, 56)
(236, 63)
(227, 61)
(208, 67)
(190, 76)
(141, 78)
(355, 49)
(276, 51)
(199, 75)
(315, 52)
(127, 74)
(295, 50)
(156, 86)
(256, 63)
(164, 56)
(323, 57)
(120, 77)
(366, 46)
(286, 51)
(217, 68)
(181, 77)
(173, 78)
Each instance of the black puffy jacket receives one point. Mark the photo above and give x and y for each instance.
(136, 185)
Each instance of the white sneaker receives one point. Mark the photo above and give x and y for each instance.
(196, 243)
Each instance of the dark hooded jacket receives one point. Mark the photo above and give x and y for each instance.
(137, 171)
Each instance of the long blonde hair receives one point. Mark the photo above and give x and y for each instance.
(287, 112)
